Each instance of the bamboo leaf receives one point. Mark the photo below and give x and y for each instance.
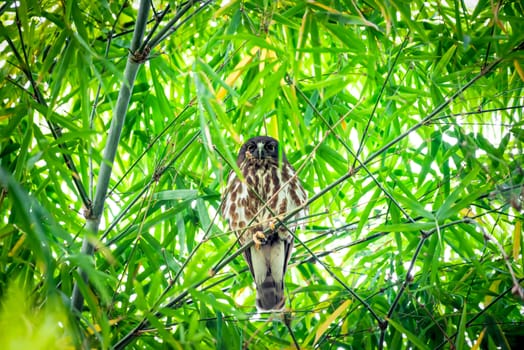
(329, 320)
(444, 61)
(176, 195)
(461, 329)
(449, 207)
(407, 227)
(411, 336)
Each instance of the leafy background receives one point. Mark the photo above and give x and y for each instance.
(403, 119)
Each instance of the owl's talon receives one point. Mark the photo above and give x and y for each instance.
(259, 238)
(272, 225)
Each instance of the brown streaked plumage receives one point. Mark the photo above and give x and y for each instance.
(252, 205)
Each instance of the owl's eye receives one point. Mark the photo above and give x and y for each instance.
(251, 147)
(270, 147)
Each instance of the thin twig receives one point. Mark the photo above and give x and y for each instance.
(56, 131)
(415, 127)
(480, 313)
(355, 156)
(287, 321)
(158, 173)
(381, 92)
(168, 28)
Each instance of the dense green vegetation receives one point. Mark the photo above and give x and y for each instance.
(120, 121)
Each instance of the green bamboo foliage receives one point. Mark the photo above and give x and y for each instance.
(120, 121)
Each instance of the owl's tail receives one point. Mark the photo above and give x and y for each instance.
(270, 294)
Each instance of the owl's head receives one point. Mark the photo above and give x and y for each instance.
(261, 148)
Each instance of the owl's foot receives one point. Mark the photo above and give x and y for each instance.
(259, 238)
(281, 232)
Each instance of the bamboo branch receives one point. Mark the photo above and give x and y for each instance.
(174, 23)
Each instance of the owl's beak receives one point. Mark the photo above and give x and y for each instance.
(260, 151)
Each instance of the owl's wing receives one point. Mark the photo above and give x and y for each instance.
(247, 257)
(235, 213)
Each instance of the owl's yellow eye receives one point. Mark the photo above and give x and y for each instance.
(270, 147)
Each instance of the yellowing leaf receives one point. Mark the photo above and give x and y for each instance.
(325, 7)
(17, 245)
(99, 329)
(476, 346)
(232, 78)
(519, 69)
(517, 233)
(273, 127)
(324, 326)
(493, 288)
(224, 7)
(268, 55)
(467, 213)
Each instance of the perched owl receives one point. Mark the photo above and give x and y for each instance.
(269, 189)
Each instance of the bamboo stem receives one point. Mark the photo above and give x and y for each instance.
(135, 59)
